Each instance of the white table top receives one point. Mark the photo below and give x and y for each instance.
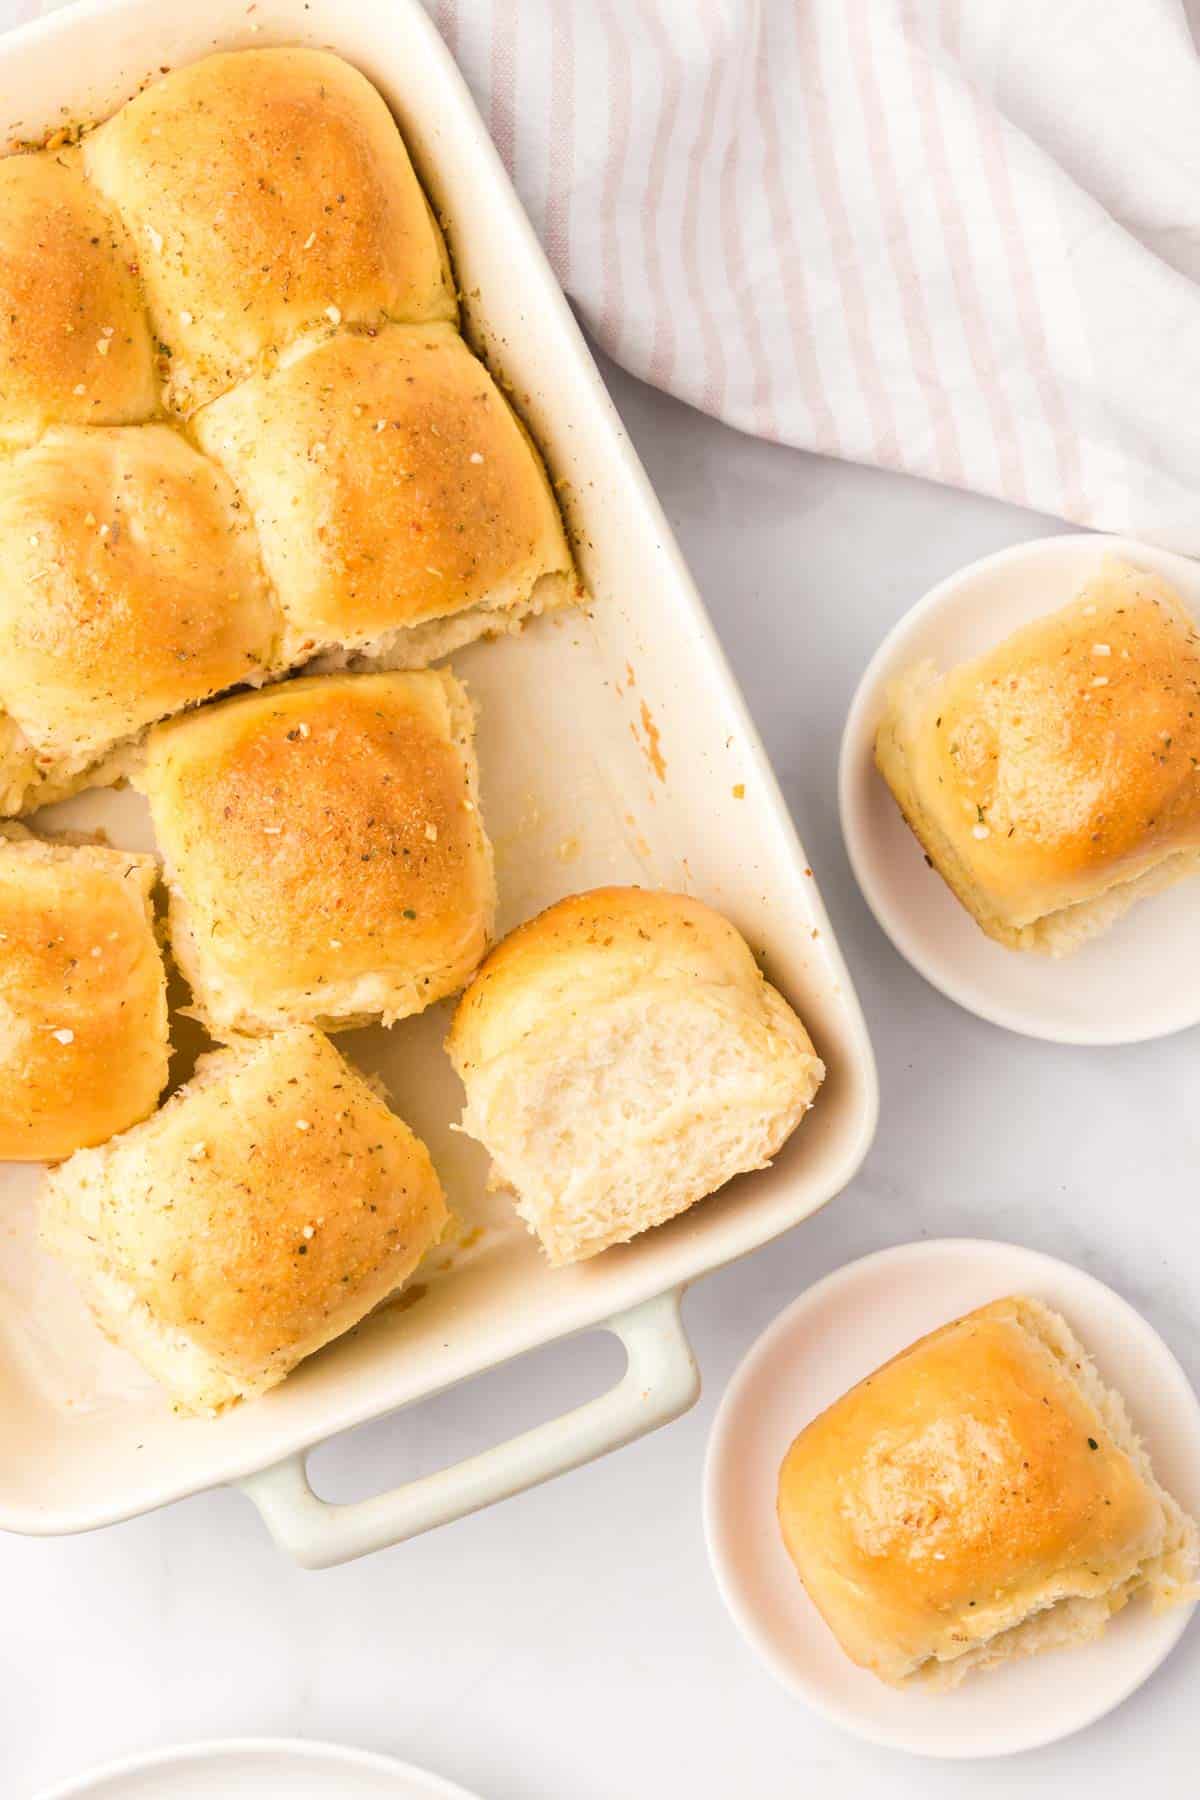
(570, 1644)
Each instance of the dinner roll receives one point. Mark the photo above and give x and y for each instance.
(75, 346)
(268, 191)
(981, 1496)
(83, 1006)
(324, 849)
(130, 586)
(623, 1057)
(266, 1209)
(401, 508)
(1055, 780)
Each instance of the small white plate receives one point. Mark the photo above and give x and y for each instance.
(259, 1769)
(832, 1336)
(1142, 978)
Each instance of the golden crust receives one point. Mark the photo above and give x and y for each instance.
(326, 856)
(390, 483)
(75, 345)
(601, 943)
(83, 1008)
(261, 1213)
(129, 586)
(1062, 764)
(268, 192)
(960, 1489)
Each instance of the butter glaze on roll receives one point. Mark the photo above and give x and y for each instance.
(246, 244)
(982, 1496)
(130, 586)
(623, 1057)
(325, 855)
(75, 345)
(268, 192)
(1055, 780)
(401, 507)
(266, 1209)
(83, 995)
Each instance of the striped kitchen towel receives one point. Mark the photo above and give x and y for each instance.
(955, 237)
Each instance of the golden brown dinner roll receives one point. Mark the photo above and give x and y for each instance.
(75, 346)
(981, 1496)
(130, 586)
(266, 1209)
(20, 779)
(401, 508)
(325, 854)
(1056, 780)
(83, 1006)
(268, 192)
(623, 1057)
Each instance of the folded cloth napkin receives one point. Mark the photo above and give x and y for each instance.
(955, 237)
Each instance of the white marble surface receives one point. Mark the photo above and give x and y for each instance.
(570, 1644)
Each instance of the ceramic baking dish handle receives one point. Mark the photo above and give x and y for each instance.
(661, 1381)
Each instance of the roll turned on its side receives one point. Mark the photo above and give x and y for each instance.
(623, 1057)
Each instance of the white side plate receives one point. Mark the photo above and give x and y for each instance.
(259, 1769)
(830, 1338)
(1142, 978)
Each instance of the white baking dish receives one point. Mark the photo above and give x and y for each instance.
(614, 747)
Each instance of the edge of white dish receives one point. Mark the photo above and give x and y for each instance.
(220, 1750)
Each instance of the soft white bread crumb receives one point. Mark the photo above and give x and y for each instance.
(623, 1057)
